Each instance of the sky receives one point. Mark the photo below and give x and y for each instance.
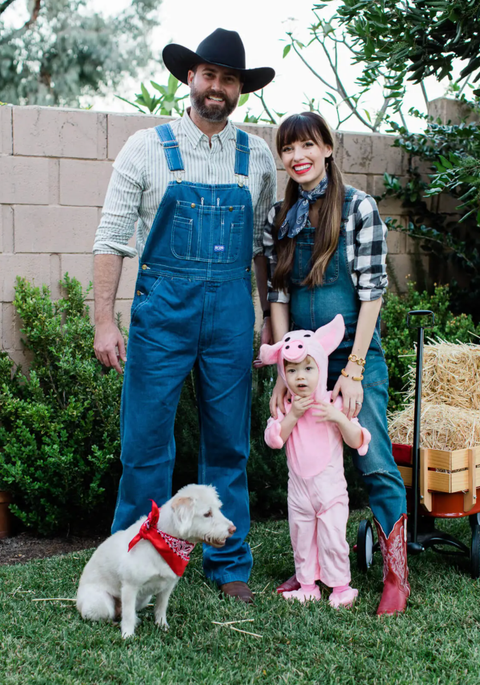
(262, 24)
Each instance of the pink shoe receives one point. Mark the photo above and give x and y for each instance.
(343, 599)
(289, 585)
(304, 595)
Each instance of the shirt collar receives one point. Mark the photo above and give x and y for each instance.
(194, 135)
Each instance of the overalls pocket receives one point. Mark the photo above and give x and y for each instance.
(207, 233)
(145, 286)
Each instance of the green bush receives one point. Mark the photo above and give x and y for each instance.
(399, 341)
(59, 424)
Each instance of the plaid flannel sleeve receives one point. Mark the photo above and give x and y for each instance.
(269, 251)
(370, 250)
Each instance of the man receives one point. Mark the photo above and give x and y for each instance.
(200, 189)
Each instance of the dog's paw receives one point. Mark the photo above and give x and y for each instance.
(127, 632)
(162, 623)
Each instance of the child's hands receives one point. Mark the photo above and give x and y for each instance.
(301, 404)
(327, 412)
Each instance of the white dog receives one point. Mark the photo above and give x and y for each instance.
(115, 576)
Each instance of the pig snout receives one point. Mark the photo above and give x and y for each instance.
(294, 350)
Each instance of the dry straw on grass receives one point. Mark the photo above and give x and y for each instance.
(451, 375)
(443, 427)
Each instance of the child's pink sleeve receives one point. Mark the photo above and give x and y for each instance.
(363, 449)
(272, 432)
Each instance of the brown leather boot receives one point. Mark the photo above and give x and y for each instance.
(239, 590)
(395, 570)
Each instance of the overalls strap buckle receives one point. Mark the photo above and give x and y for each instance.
(172, 151)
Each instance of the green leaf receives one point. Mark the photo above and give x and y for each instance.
(172, 84)
(286, 50)
(243, 99)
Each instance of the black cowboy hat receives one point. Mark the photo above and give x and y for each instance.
(222, 48)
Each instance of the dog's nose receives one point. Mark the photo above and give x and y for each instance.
(232, 529)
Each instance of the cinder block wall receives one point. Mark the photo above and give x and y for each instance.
(54, 170)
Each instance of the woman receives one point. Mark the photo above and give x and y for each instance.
(326, 247)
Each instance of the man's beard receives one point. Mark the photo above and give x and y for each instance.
(210, 112)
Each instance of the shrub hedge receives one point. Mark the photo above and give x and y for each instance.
(59, 423)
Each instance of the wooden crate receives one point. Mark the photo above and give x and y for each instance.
(445, 471)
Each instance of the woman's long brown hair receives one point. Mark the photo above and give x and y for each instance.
(299, 127)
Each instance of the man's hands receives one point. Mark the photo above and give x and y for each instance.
(109, 345)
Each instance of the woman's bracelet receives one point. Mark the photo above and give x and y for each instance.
(354, 378)
(357, 360)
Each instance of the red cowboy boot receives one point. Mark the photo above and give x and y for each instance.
(395, 570)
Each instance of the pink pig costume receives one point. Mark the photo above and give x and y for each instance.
(317, 490)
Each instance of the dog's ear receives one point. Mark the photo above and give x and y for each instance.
(183, 511)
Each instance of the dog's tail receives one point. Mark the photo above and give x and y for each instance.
(95, 604)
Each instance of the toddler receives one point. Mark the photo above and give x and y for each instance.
(313, 429)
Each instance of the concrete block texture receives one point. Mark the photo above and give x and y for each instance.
(24, 180)
(34, 267)
(122, 126)
(6, 129)
(81, 267)
(371, 153)
(396, 241)
(54, 229)
(83, 183)
(55, 132)
(6, 228)
(10, 325)
(357, 181)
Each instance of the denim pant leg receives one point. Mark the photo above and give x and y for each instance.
(161, 352)
(224, 399)
(378, 469)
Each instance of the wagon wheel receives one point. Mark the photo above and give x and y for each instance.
(474, 520)
(475, 553)
(364, 545)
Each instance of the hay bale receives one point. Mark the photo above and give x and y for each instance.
(451, 375)
(443, 427)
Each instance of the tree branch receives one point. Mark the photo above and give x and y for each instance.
(5, 5)
(311, 68)
(424, 91)
(265, 107)
(18, 32)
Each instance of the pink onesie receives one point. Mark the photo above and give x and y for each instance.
(317, 490)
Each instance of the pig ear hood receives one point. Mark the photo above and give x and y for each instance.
(296, 345)
(331, 335)
(269, 353)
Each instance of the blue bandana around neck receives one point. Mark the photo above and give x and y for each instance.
(297, 216)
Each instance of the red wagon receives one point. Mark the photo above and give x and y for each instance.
(440, 484)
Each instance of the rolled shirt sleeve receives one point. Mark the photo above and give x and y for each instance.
(370, 251)
(266, 199)
(281, 296)
(122, 202)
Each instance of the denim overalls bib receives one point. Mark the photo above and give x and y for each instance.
(311, 308)
(193, 307)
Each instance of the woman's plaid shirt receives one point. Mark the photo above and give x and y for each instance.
(366, 238)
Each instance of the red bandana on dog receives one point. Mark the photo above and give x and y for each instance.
(175, 551)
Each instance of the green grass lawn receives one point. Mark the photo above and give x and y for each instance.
(436, 641)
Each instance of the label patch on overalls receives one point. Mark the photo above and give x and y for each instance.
(219, 248)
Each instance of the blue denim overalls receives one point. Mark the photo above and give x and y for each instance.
(312, 308)
(193, 306)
